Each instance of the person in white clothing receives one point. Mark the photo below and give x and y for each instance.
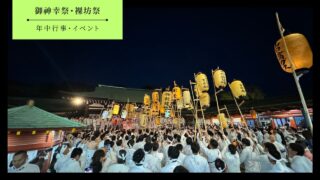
(298, 162)
(20, 165)
(281, 148)
(173, 153)
(72, 165)
(62, 157)
(246, 157)
(232, 159)
(151, 162)
(195, 162)
(138, 158)
(181, 155)
(212, 152)
(120, 167)
(278, 163)
(98, 159)
(155, 153)
(130, 151)
(265, 164)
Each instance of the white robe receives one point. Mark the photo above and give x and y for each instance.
(246, 158)
(129, 161)
(301, 164)
(71, 166)
(196, 163)
(60, 162)
(26, 168)
(181, 157)
(265, 164)
(173, 163)
(118, 168)
(152, 163)
(212, 155)
(232, 161)
(139, 169)
(157, 155)
(280, 167)
(281, 148)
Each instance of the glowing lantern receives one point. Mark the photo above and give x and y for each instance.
(299, 50)
(223, 120)
(18, 133)
(34, 132)
(205, 100)
(197, 91)
(253, 114)
(47, 132)
(179, 104)
(73, 130)
(166, 99)
(176, 92)
(158, 122)
(155, 96)
(116, 109)
(219, 78)
(146, 100)
(155, 108)
(143, 120)
(162, 110)
(202, 82)
(187, 99)
(172, 113)
(237, 89)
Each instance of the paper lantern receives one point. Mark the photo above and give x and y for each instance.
(222, 119)
(179, 104)
(219, 78)
(176, 93)
(18, 133)
(253, 114)
(187, 99)
(237, 89)
(162, 110)
(34, 132)
(158, 122)
(155, 108)
(166, 99)
(47, 132)
(299, 50)
(197, 91)
(146, 100)
(155, 96)
(202, 82)
(116, 109)
(205, 100)
(172, 113)
(143, 120)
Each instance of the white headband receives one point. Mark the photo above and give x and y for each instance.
(123, 157)
(277, 160)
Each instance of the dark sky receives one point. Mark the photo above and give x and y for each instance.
(165, 44)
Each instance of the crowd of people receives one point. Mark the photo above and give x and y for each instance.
(168, 149)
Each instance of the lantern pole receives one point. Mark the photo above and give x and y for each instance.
(225, 107)
(242, 117)
(216, 97)
(296, 78)
(203, 119)
(195, 112)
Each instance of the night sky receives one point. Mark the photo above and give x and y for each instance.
(165, 44)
